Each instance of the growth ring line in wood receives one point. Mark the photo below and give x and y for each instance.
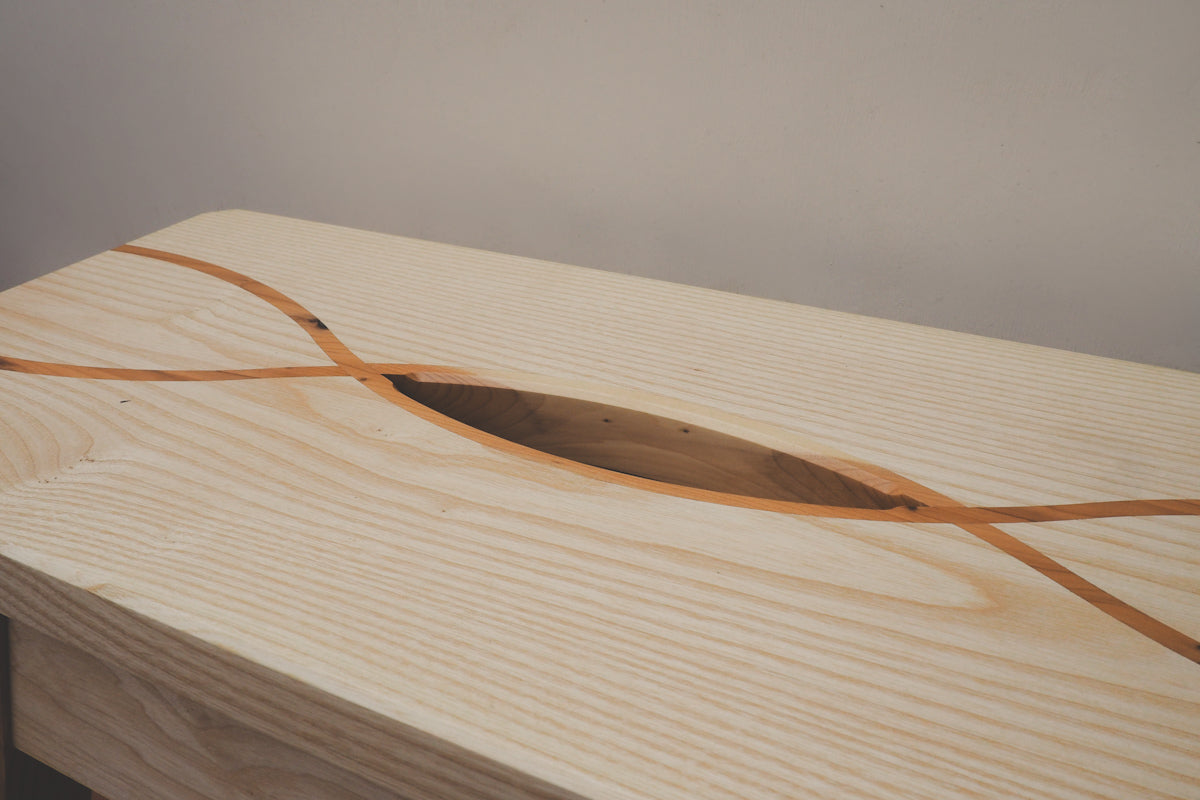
(932, 507)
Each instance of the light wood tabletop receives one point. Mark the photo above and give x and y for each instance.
(289, 510)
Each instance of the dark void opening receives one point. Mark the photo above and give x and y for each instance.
(646, 445)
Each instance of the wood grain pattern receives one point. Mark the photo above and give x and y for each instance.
(292, 714)
(285, 547)
(138, 741)
(620, 443)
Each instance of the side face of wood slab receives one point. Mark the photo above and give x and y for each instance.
(129, 738)
(466, 525)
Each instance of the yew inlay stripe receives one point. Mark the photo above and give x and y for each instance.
(123, 374)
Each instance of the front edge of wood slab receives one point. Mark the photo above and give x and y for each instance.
(406, 761)
(135, 740)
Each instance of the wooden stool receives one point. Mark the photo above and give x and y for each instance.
(296, 511)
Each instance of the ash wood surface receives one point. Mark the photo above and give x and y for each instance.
(211, 483)
(137, 741)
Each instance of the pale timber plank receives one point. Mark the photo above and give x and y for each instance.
(450, 619)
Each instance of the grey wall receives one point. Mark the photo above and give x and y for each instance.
(1028, 170)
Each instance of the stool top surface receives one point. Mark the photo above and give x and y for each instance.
(215, 472)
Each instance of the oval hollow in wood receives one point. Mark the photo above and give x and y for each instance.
(638, 443)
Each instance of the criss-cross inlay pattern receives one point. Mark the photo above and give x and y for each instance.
(930, 506)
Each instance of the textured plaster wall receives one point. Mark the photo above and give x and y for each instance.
(1028, 170)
